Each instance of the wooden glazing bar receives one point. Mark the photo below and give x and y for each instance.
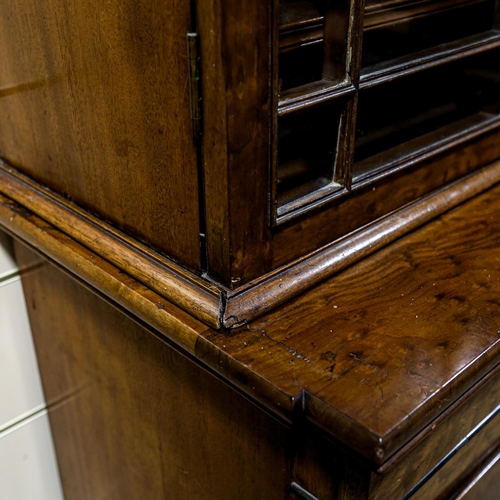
(336, 60)
(313, 94)
(442, 54)
(300, 22)
(423, 147)
(304, 24)
(387, 13)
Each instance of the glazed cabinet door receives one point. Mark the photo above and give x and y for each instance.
(320, 117)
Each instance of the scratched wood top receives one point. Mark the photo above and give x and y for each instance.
(387, 345)
(372, 356)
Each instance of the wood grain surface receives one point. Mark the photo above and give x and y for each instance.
(410, 468)
(376, 199)
(132, 417)
(388, 344)
(379, 350)
(95, 105)
(216, 305)
(237, 106)
(170, 280)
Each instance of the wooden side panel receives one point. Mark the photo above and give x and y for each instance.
(94, 104)
(132, 418)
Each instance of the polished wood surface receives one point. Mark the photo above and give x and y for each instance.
(247, 304)
(373, 201)
(299, 290)
(212, 205)
(215, 305)
(153, 423)
(236, 109)
(101, 371)
(370, 390)
(199, 297)
(95, 105)
(483, 483)
(469, 419)
(384, 347)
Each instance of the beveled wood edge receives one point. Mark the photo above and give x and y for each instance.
(286, 282)
(383, 452)
(143, 304)
(193, 337)
(430, 427)
(214, 304)
(191, 293)
(169, 321)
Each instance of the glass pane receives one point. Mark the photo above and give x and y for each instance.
(415, 112)
(395, 30)
(307, 150)
(301, 42)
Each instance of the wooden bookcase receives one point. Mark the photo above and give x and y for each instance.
(215, 168)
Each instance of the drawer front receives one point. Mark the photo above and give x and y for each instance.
(20, 386)
(7, 262)
(485, 485)
(28, 468)
(411, 470)
(461, 460)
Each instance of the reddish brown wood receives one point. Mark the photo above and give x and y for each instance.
(313, 231)
(378, 377)
(134, 418)
(460, 464)
(380, 13)
(368, 371)
(94, 105)
(412, 463)
(188, 291)
(483, 480)
(288, 282)
(273, 359)
(391, 342)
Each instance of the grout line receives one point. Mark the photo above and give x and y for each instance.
(23, 419)
(9, 276)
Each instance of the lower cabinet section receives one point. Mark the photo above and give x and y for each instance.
(134, 417)
(28, 469)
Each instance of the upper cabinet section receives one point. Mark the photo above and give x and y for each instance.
(317, 119)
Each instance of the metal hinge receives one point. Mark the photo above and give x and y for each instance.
(194, 83)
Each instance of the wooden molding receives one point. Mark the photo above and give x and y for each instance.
(214, 304)
(234, 357)
(289, 281)
(171, 281)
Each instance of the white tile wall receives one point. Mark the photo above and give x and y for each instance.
(28, 467)
(20, 386)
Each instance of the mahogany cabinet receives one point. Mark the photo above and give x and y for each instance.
(226, 174)
(230, 148)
